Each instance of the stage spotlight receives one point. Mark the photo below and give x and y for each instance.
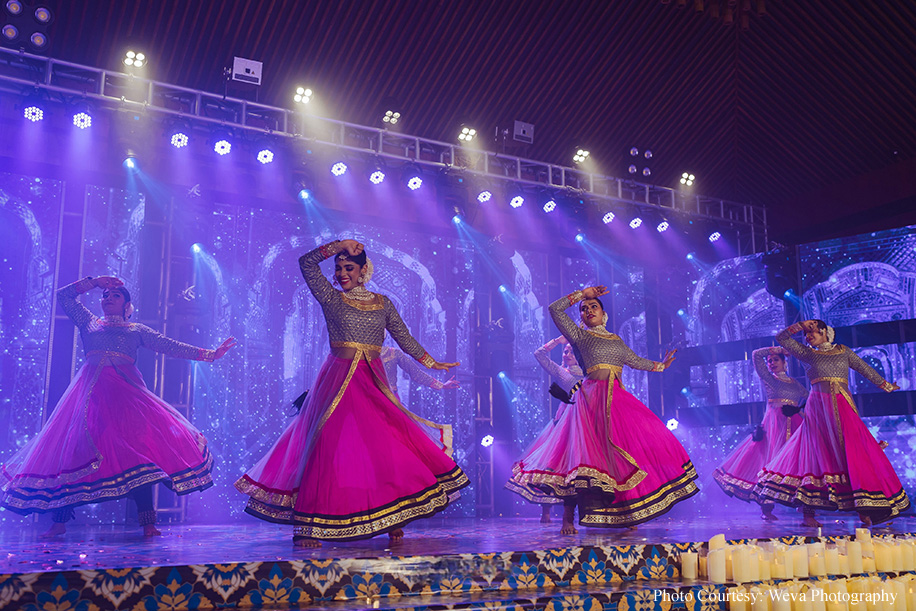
(550, 205)
(33, 112)
(580, 237)
(681, 312)
(647, 154)
(632, 169)
(265, 155)
(10, 32)
(222, 147)
(179, 139)
(691, 256)
(486, 441)
(685, 391)
(14, 7)
(377, 177)
(687, 179)
(82, 119)
(43, 15)
(634, 152)
(502, 289)
(484, 196)
(662, 227)
(303, 95)
(130, 162)
(672, 424)
(714, 236)
(456, 219)
(133, 59)
(304, 195)
(608, 218)
(467, 134)
(635, 223)
(580, 156)
(339, 168)
(391, 117)
(646, 172)
(414, 183)
(196, 248)
(517, 201)
(502, 374)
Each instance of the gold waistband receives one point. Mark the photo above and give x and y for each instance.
(831, 380)
(616, 369)
(775, 402)
(357, 345)
(109, 353)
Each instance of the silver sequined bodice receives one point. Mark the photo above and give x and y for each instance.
(777, 388)
(834, 363)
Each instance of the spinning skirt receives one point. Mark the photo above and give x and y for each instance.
(108, 435)
(354, 462)
(738, 474)
(833, 462)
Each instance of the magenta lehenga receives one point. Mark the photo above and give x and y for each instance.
(608, 449)
(832, 462)
(354, 462)
(738, 474)
(108, 435)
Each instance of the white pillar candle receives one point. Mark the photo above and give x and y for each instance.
(844, 565)
(908, 551)
(764, 567)
(782, 600)
(910, 596)
(832, 561)
(741, 569)
(818, 598)
(816, 564)
(715, 565)
(760, 600)
(896, 555)
(737, 599)
(717, 542)
(689, 565)
(787, 558)
(854, 556)
(898, 590)
(869, 566)
(800, 560)
(884, 556)
(729, 562)
(753, 572)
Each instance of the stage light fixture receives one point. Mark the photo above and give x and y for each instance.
(38, 40)
(550, 205)
(691, 256)
(467, 134)
(14, 7)
(632, 169)
(635, 223)
(580, 237)
(82, 118)
(179, 139)
(517, 201)
(414, 183)
(339, 169)
(502, 289)
(10, 32)
(222, 147)
(43, 15)
(134, 59)
(681, 312)
(662, 227)
(377, 177)
(580, 156)
(487, 441)
(715, 236)
(672, 424)
(265, 156)
(484, 196)
(647, 154)
(608, 217)
(502, 374)
(303, 95)
(391, 117)
(130, 162)
(196, 248)
(33, 108)
(646, 172)
(456, 219)
(685, 391)
(687, 179)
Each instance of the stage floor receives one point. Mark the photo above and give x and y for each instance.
(87, 546)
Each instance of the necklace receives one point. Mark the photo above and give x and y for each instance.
(359, 293)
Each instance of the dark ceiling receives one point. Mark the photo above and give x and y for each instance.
(791, 97)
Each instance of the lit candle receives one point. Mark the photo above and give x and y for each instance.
(884, 556)
(869, 566)
(760, 600)
(764, 572)
(741, 569)
(896, 555)
(800, 560)
(689, 565)
(844, 565)
(854, 556)
(781, 601)
(818, 598)
(816, 565)
(737, 599)
(909, 555)
(715, 565)
(717, 542)
(753, 559)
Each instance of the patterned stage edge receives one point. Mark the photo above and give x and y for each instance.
(617, 578)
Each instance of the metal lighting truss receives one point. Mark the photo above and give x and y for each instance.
(19, 70)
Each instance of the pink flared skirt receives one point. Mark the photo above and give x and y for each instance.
(354, 462)
(108, 435)
(738, 474)
(833, 462)
(611, 452)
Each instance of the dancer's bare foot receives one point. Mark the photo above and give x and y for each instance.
(150, 530)
(306, 542)
(866, 521)
(396, 535)
(569, 518)
(545, 514)
(811, 521)
(766, 513)
(57, 530)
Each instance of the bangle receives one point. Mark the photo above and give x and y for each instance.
(575, 297)
(427, 361)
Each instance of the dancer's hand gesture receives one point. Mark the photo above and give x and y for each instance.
(808, 325)
(452, 383)
(107, 282)
(669, 358)
(224, 348)
(351, 246)
(593, 292)
(443, 366)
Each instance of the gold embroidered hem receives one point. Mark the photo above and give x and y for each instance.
(533, 495)
(367, 524)
(566, 485)
(732, 486)
(832, 499)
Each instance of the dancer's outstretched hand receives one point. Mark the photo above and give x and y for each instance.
(443, 366)
(108, 282)
(452, 383)
(224, 348)
(893, 386)
(669, 358)
(352, 247)
(593, 292)
(808, 325)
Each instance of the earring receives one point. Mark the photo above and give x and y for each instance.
(361, 279)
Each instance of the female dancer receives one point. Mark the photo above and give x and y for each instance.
(738, 474)
(109, 436)
(393, 359)
(610, 450)
(354, 463)
(566, 377)
(833, 461)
